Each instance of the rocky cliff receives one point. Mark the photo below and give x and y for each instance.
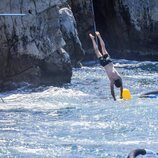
(32, 46)
(43, 45)
(129, 27)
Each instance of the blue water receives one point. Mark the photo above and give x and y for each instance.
(80, 120)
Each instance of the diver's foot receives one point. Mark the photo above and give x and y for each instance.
(97, 33)
(91, 36)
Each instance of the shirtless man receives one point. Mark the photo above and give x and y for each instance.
(106, 62)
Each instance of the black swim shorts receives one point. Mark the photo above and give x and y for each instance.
(105, 60)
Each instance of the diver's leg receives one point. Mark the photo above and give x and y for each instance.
(104, 51)
(97, 52)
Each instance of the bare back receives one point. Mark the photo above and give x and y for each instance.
(111, 72)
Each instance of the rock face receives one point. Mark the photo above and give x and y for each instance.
(129, 27)
(31, 46)
(43, 45)
(82, 10)
(70, 34)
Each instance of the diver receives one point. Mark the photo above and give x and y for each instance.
(106, 62)
(144, 152)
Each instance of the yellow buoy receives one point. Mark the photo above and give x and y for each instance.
(126, 95)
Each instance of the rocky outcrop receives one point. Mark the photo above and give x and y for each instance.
(43, 45)
(82, 10)
(57, 68)
(129, 27)
(32, 45)
(70, 34)
(141, 26)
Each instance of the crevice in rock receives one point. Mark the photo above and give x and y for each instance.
(125, 30)
(108, 25)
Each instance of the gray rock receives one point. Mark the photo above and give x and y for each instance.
(129, 27)
(31, 45)
(70, 34)
(82, 11)
(57, 68)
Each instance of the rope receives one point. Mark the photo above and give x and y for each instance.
(93, 14)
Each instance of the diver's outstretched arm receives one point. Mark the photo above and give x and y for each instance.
(112, 91)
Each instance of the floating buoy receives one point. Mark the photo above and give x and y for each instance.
(126, 94)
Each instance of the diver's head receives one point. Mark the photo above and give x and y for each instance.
(118, 83)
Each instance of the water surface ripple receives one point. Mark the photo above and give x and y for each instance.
(80, 120)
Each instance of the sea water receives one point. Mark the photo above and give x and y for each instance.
(80, 119)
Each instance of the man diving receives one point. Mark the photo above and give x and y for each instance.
(106, 62)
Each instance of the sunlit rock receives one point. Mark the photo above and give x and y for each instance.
(70, 34)
(34, 42)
